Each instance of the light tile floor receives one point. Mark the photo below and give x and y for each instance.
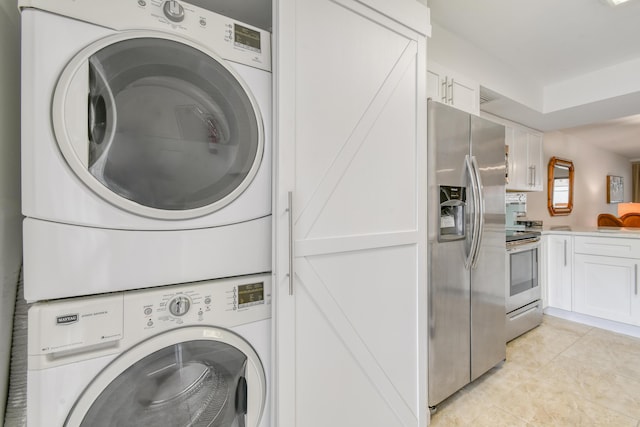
(559, 374)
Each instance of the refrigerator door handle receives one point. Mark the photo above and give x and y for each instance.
(479, 212)
(468, 262)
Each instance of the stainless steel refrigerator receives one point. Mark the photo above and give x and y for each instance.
(466, 226)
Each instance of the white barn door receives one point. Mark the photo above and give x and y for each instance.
(351, 148)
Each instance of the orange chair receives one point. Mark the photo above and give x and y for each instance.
(608, 220)
(631, 219)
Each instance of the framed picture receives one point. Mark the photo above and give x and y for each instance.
(615, 189)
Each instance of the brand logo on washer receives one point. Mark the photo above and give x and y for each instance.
(66, 319)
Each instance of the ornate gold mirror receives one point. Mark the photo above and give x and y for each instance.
(560, 188)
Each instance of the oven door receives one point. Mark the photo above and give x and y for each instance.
(523, 284)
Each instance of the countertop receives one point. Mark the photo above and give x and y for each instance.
(624, 232)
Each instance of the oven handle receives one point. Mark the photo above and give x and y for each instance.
(520, 247)
(480, 212)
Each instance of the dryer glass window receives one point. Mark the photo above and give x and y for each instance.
(169, 127)
(195, 383)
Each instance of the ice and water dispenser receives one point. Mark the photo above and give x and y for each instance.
(453, 201)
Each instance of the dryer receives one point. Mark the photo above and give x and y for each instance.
(146, 146)
(196, 354)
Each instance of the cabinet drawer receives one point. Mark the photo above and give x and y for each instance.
(608, 246)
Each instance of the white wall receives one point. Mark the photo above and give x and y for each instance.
(10, 218)
(457, 54)
(592, 165)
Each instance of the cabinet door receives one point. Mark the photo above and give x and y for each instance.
(534, 159)
(559, 271)
(526, 171)
(451, 88)
(516, 139)
(607, 287)
(434, 86)
(464, 94)
(351, 327)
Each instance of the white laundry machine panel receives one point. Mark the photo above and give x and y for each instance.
(142, 117)
(196, 354)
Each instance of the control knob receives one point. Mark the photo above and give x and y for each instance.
(179, 306)
(173, 10)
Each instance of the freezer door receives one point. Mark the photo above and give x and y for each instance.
(488, 277)
(449, 333)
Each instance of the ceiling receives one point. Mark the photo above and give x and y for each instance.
(552, 41)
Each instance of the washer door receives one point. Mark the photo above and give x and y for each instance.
(191, 376)
(157, 125)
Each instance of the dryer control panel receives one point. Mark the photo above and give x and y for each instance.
(226, 37)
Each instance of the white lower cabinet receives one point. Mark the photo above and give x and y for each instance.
(593, 275)
(559, 268)
(607, 287)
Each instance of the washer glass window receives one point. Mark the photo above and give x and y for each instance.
(169, 127)
(195, 383)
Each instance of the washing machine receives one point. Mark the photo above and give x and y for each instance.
(195, 354)
(146, 146)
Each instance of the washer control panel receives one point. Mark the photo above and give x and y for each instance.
(224, 302)
(179, 306)
(173, 10)
(64, 331)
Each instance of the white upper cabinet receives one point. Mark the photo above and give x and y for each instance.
(525, 165)
(452, 88)
(350, 214)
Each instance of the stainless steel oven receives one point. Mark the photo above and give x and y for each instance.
(523, 304)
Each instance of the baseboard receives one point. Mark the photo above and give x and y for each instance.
(621, 328)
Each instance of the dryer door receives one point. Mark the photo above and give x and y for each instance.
(193, 376)
(158, 125)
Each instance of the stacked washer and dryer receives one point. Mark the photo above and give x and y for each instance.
(146, 187)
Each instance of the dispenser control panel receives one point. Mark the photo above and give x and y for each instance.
(453, 201)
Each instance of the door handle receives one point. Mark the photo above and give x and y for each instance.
(290, 212)
(635, 270)
(443, 90)
(480, 211)
(451, 93)
(475, 233)
(565, 253)
(506, 164)
(530, 175)
(469, 259)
